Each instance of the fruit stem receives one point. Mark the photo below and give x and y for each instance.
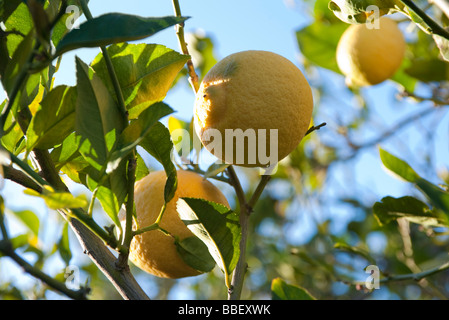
(155, 225)
(123, 257)
(161, 214)
(193, 77)
(238, 276)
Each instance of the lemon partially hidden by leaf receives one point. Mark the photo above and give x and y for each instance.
(156, 252)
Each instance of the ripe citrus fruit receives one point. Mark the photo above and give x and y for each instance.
(153, 251)
(370, 56)
(252, 93)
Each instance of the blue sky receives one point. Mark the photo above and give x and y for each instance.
(238, 25)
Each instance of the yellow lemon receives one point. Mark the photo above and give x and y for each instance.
(253, 108)
(367, 55)
(153, 251)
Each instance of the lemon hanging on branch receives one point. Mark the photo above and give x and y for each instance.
(367, 55)
(156, 252)
(253, 108)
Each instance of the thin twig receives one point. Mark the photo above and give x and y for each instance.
(193, 77)
(405, 277)
(314, 128)
(388, 133)
(235, 291)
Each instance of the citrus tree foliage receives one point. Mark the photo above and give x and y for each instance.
(102, 133)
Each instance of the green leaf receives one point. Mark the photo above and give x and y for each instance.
(398, 166)
(318, 43)
(113, 28)
(201, 47)
(410, 208)
(194, 253)
(215, 169)
(20, 20)
(137, 131)
(63, 245)
(145, 73)
(20, 241)
(158, 144)
(41, 21)
(280, 290)
(355, 11)
(437, 196)
(67, 20)
(66, 151)
(59, 200)
(29, 219)
(428, 70)
(7, 7)
(98, 121)
(18, 61)
(354, 250)
(141, 169)
(443, 45)
(69, 160)
(54, 120)
(217, 226)
(111, 193)
(409, 9)
(13, 136)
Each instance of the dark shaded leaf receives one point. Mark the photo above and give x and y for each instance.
(113, 28)
(217, 226)
(158, 143)
(194, 252)
(98, 121)
(63, 245)
(414, 210)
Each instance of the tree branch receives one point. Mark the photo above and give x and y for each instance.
(21, 178)
(193, 79)
(394, 129)
(234, 293)
(7, 249)
(121, 278)
(435, 27)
